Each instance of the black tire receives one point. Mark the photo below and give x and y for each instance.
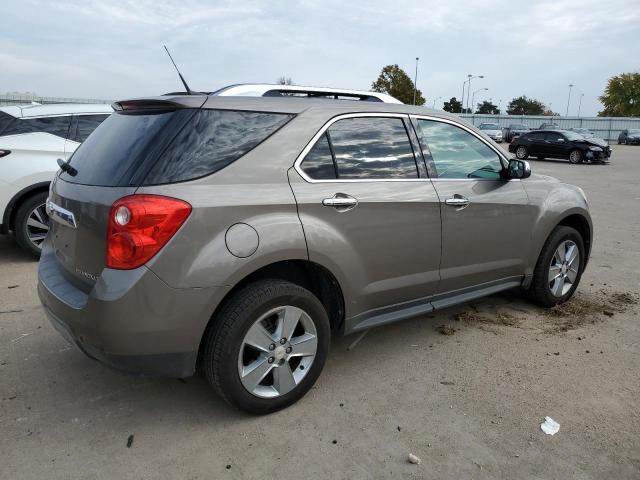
(522, 156)
(539, 290)
(22, 216)
(579, 157)
(224, 340)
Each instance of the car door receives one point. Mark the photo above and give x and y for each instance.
(556, 145)
(368, 214)
(486, 219)
(536, 143)
(81, 127)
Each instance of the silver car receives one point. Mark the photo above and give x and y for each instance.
(236, 234)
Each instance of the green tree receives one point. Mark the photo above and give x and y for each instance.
(394, 81)
(525, 106)
(622, 96)
(487, 107)
(453, 106)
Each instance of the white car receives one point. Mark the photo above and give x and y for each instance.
(267, 90)
(32, 138)
(492, 130)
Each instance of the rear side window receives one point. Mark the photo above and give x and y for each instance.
(5, 119)
(84, 125)
(58, 126)
(363, 148)
(534, 136)
(211, 141)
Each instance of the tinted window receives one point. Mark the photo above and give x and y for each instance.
(535, 136)
(5, 119)
(318, 164)
(456, 153)
(372, 147)
(555, 136)
(85, 124)
(122, 144)
(58, 126)
(211, 141)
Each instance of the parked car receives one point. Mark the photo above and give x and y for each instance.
(514, 130)
(492, 130)
(299, 91)
(236, 234)
(629, 137)
(549, 126)
(32, 138)
(584, 132)
(560, 144)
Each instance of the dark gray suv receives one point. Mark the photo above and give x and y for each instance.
(236, 234)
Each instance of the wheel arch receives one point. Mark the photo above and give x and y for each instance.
(310, 275)
(9, 215)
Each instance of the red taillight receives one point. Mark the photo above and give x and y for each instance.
(4, 153)
(139, 226)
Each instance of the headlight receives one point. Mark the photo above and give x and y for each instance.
(595, 149)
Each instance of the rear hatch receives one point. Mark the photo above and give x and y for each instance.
(107, 166)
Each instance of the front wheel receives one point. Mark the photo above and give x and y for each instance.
(522, 152)
(32, 223)
(267, 346)
(559, 267)
(575, 156)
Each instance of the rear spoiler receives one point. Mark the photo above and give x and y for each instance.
(158, 105)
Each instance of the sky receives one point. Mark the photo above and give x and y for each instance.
(113, 49)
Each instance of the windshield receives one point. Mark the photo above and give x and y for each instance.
(489, 126)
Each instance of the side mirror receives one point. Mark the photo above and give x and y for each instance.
(519, 169)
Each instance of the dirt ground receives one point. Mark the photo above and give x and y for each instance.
(465, 389)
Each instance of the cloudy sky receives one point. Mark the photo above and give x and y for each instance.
(113, 49)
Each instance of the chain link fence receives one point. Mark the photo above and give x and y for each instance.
(29, 98)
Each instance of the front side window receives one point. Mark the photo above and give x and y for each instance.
(456, 153)
(58, 126)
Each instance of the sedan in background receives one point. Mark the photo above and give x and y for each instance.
(492, 130)
(560, 144)
(514, 130)
(584, 132)
(629, 137)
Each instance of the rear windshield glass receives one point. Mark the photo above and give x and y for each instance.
(123, 144)
(211, 141)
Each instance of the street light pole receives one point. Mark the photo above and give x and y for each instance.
(568, 100)
(471, 77)
(415, 82)
(434, 102)
(473, 97)
(580, 103)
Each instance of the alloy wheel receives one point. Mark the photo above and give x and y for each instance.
(37, 225)
(277, 352)
(575, 156)
(563, 271)
(521, 152)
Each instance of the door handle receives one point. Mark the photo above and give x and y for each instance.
(341, 202)
(457, 201)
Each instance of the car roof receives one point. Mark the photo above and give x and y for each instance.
(262, 89)
(26, 111)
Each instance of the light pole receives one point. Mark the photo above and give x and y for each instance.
(471, 77)
(580, 103)
(415, 82)
(474, 96)
(500, 107)
(568, 100)
(434, 102)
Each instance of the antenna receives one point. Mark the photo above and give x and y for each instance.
(186, 87)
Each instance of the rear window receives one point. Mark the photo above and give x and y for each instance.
(211, 141)
(58, 126)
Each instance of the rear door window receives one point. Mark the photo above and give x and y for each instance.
(58, 126)
(211, 141)
(318, 163)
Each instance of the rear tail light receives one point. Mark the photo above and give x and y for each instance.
(139, 226)
(4, 153)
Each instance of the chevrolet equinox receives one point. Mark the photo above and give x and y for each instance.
(234, 235)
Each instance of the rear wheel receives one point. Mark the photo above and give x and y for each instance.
(559, 267)
(575, 156)
(522, 152)
(267, 346)
(32, 223)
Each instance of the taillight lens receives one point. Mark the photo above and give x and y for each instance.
(139, 226)
(4, 153)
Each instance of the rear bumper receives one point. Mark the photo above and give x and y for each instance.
(130, 320)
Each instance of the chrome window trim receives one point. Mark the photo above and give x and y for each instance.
(326, 126)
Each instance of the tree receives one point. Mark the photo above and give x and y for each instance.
(285, 80)
(525, 106)
(453, 106)
(488, 107)
(622, 96)
(394, 81)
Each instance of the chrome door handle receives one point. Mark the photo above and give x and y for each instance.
(341, 202)
(457, 201)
